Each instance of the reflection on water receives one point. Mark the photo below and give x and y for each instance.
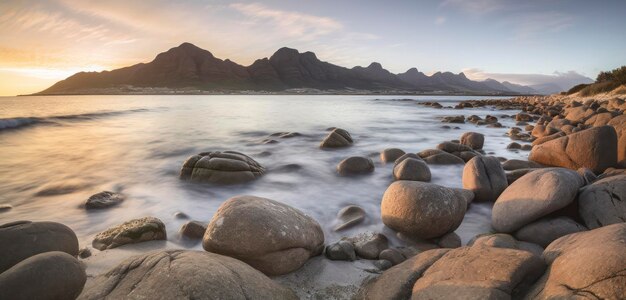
(81, 145)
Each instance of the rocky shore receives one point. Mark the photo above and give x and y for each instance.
(558, 224)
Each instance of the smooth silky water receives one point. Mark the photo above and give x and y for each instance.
(57, 151)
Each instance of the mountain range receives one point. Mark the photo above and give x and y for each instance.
(192, 69)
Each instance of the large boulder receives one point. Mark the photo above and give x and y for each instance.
(268, 235)
(533, 196)
(603, 202)
(473, 139)
(228, 167)
(23, 239)
(337, 138)
(619, 123)
(179, 274)
(411, 169)
(594, 148)
(585, 264)
(422, 210)
(484, 176)
(546, 230)
(355, 165)
(391, 154)
(133, 231)
(49, 275)
(503, 240)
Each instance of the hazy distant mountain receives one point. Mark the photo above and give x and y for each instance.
(189, 67)
(547, 88)
(507, 86)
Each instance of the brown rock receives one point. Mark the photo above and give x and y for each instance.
(228, 167)
(484, 176)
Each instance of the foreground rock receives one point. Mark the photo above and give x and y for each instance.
(337, 138)
(503, 240)
(23, 239)
(533, 196)
(133, 231)
(411, 169)
(594, 148)
(350, 216)
(103, 200)
(290, 237)
(590, 263)
(545, 231)
(603, 202)
(355, 165)
(619, 123)
(422, 210)
(484, 176)
(182, 274)
(50, 275)
(228, 167)
(193, 230)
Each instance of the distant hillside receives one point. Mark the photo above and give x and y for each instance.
(189, 68)
(605, 82)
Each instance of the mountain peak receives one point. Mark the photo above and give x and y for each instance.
(375, 66)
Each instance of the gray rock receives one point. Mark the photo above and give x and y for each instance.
(515, 164)
(341, 250)
(369, 245)
(587, 175)
(337, 138)
(517, 174)
(406, 156)
(383, 264)
(453, 147)
(84, 252)
(391, 154)
(5, 207)
(228, 167)
(473, 139)
(444, 159)
(603, 202)
(454, 119)
(350, 216)
(103, 200)
(355, 165)
(503, 240)
(392, 255)
(412, 169)
(514, 146)
(484, 176)
(133, 231)
(193, 230)
(546, 230)
(450, 240)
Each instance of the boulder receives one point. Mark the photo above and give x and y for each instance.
(49, 275)
(368, 245)
(406, 156)
(547, 138)
(422, 210)
(411, 169)
(517, 174)
(392, 255)
(349, 216)
(453, 147)
(133, 231)
(585, 264)
(103, 200)
(355, 165)
(443, 159)
(454, 119)
(546, 230)
(337, 138)
(228, 167)
(180, 274)
(603, 202)
(290, 237)
(193, 230)
(533, 196)
(594, 148)
(341, 250)
(514, 164)
(619, 123)
(391, 154)
(484, 176)
(429, 152)
(473, 139)
(23, 239)
(503, 240)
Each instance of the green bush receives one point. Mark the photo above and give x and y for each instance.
(577, 88)
(597, 88)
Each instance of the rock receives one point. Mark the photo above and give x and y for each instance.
(587, 175)
(527, 147)
(179, 274)
(133, 231)
(368, 245)
(355, 165)
(467, 155)
(547, 138)
(228, 167)
(443, 159)
(484, 176)
(429, 152)
(84, 252)
(454, 119)
(503, 240)
(341, 250)
(405, 156)
(193, 230)
(392, 255)
(23, 239)
(546, 230)
(514, 146)
(533, 196)
(594, 148)
(5, 207)
(517, 174)
(422, 210)
(337, 138)
(585, 264)
(473, 139)
(286, 135)
(412, 169)
(611, 172)
(619, 123)
(50, 275)
(290, 237)
(383, 264)
(391, 154)
(514, 164)
(451, 147)
(450, 240)
(269, 141)
(523, 117)
(349, 216)
(181, 215)
(103, 200)
(603, 202)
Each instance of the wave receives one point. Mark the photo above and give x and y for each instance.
(15, 123)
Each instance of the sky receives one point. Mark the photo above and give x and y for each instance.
(526, 42)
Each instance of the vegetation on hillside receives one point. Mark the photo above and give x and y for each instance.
(605, 82)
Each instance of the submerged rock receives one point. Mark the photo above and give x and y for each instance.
(411, 169)
(341, 250)
(474, 140)
(355, 165)
(193, 230)
(337, 138)
(103, 200)
(391, 154)
(228, 167)
(350, 216)
(133, 231)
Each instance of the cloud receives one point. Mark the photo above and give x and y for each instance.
(477, 7)
(565, 80)
(440, 20)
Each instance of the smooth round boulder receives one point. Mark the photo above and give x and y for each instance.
(337, 138)
(546, 230)
(603, 202)
(193, 230)
(391, 154)
(131, 232)
(355, 165)
(412, 169)
(474, 140)
(289, 237)
(533, 196)
(180, 274)
(453, 147)
(422, 210)
(484, 176)
(407, 156)
(443, 159)
(103, 200)
(50, 275)
(227, 167)
(23, 239)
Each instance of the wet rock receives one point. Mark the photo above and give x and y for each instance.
(412, 169)
(546, 230)
(290, 237)
(517, 174)
(228, 167)
(443, 159)
(180, 215)
(337, 138)
(603, 202)
(406, 156)
(527, 147)
(5, 207)
(533, 196)
(450, 240)
(179, 274)
(368, 245)
(103, 200)
(473, 139)
(285, 135)
(429, 152)
(514, 146)
(23, 239)
(467, 155)
(451, 147)
(454, 119)
(391, 154)
(341, 250)
(84, 252)
(484, 176)
(50, 275)
(523, 117)
(422, 210)
(269, 141)
(193, 230)
(288, 168)
(133, 231)
(355, 165)
(350, 216)
(392, 255)
(515, 164)
(383, 264)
